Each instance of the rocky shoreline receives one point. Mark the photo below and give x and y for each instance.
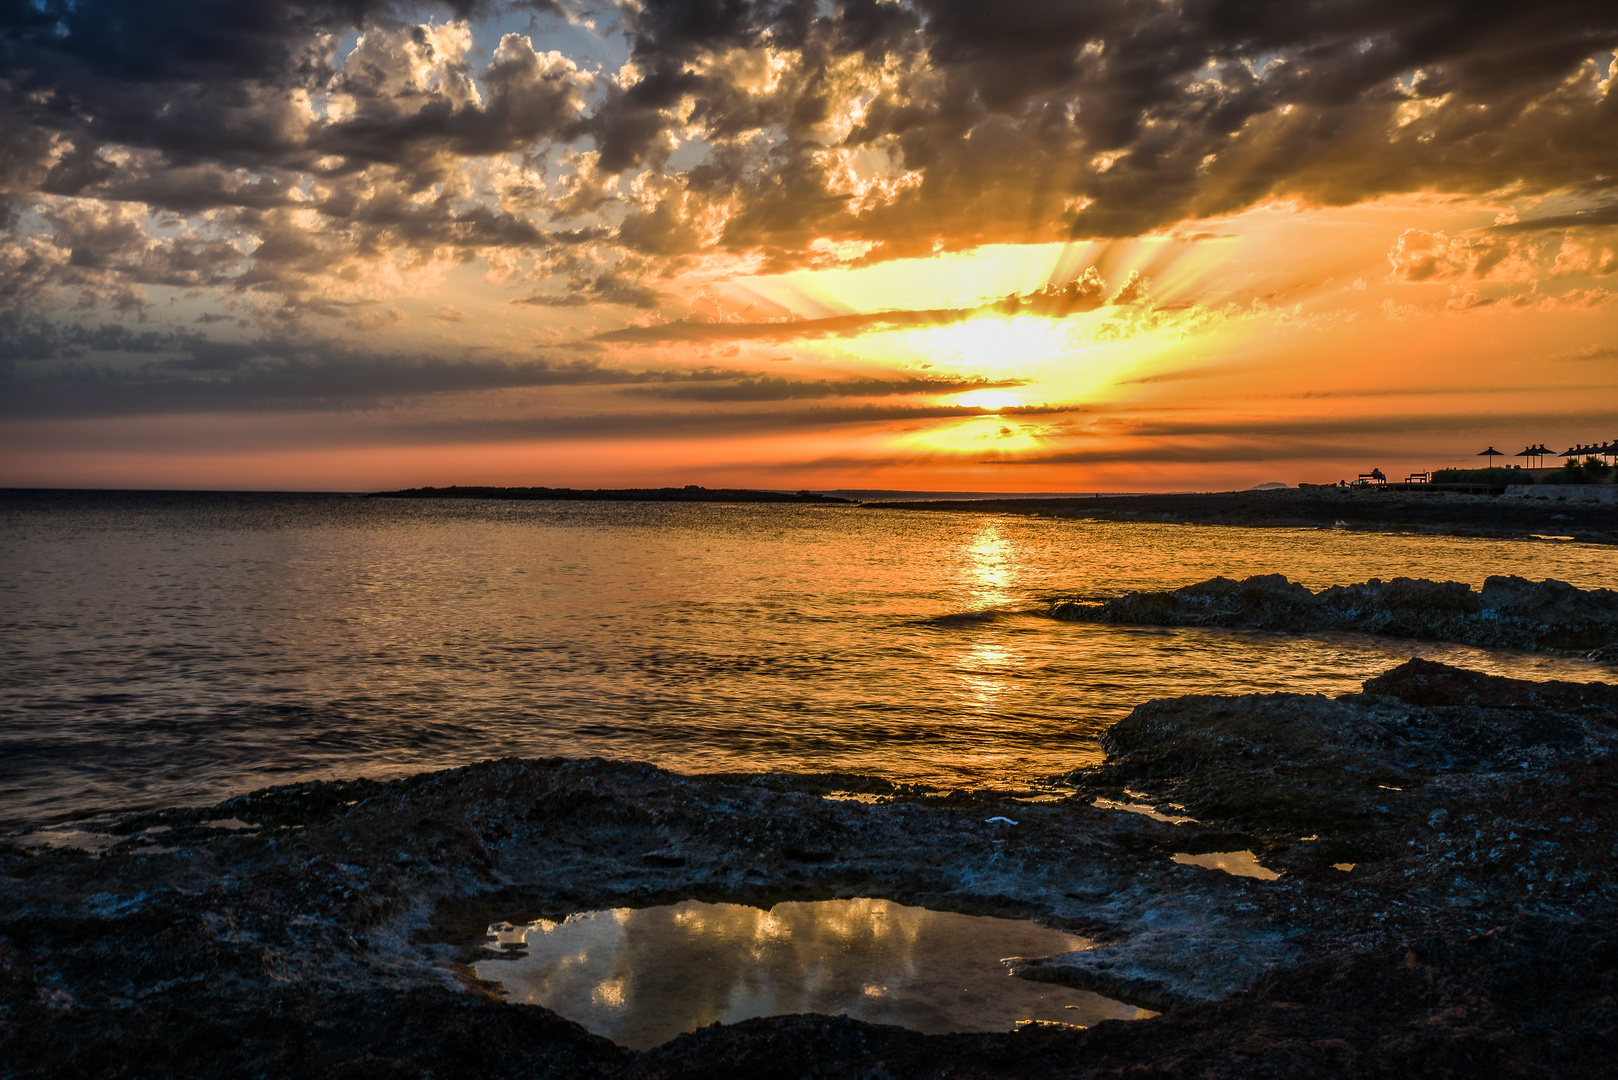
(1431, 512)
(327, 929)
(1508, 612)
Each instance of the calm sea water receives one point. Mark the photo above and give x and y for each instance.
(160, 649)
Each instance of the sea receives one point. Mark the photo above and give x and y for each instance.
(164, 648)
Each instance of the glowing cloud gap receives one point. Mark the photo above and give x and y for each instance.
(1085, 293)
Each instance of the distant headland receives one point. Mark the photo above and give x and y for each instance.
(689, 493)
(1553, 513)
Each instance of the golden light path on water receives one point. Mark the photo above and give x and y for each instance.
(229, 642)
(985, 667)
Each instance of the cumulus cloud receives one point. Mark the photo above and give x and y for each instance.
(288, 157)
(1419, 255)
(1592, 257)
(897, 126)
(898, 121)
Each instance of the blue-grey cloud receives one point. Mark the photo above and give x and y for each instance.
(227, 149)
(765, 388)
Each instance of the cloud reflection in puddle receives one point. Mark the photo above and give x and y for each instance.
(641, 976)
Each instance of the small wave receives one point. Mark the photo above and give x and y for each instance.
(956, 619)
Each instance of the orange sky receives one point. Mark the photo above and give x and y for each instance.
(603, 247)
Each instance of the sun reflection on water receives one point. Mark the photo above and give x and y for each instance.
(989, 571)
(989, 566)
(983, 672)
(387, 637)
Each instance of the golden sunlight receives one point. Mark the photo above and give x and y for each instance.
(990, 344)
(989, 399)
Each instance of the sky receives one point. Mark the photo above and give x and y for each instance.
(1029, 245)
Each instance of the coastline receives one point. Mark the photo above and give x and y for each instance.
(330, 926)
(691, 493)
(1405, 509)
(1432, 513)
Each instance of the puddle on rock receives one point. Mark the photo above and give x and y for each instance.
(641, 976)
(1240, 863)
(231, 824)
(1143, 809)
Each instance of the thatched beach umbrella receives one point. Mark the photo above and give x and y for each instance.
(1491, 453)
(1526, 453)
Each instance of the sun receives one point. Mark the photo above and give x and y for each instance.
(982, 437)
(992, 343)
(989, 399)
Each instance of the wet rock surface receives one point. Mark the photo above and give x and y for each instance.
(1509, 612)
(328, 931)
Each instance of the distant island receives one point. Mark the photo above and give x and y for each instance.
(689, 493)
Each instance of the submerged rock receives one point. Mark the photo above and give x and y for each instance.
(1509, 612)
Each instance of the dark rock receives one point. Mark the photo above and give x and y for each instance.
(1509, 612)
(379, 1034)
(1355, 774)
(1472, 937)
(1427, 683)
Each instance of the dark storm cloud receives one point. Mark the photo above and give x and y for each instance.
(692, 330)
(708, 422)
(1279, 431)
(768, 389)
(1369, 439)
(63, 370)
(1033, 118)
(386, 429)
(183, 372)
(1595, 218)
(1172, 93)
(227, 146)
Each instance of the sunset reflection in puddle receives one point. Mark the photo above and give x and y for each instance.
(641, 976)
(1238, 863)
